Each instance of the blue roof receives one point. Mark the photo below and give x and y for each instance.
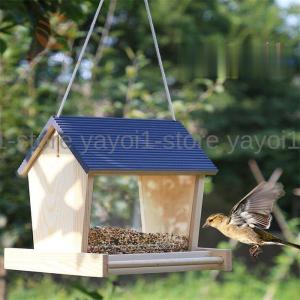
(133, 145)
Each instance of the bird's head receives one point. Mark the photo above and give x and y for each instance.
(215, 220)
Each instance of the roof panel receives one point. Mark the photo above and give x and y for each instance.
(119, 144)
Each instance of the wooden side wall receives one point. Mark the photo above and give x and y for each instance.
(171, 204)
(60, 198)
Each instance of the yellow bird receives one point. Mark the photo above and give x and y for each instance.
(250, 216)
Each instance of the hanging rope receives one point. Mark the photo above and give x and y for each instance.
(79, 58)
(84, 48)
(163, 75)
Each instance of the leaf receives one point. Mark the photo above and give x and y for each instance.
(93, 294)
(2, 46)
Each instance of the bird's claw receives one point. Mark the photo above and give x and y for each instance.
(255, 251)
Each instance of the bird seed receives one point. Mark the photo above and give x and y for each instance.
(115, 240)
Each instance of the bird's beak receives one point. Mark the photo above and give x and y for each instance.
(205, 225)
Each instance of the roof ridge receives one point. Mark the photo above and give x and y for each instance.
(116, 118)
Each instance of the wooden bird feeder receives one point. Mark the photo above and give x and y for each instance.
(71, 151)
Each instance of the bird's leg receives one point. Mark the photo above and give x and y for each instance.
(255, 250)
(252, 249)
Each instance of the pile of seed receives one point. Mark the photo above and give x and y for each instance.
(115, 240)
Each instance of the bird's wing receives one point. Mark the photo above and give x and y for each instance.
(255, 208)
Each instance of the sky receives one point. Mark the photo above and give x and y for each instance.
(291, 20)
(286, 3)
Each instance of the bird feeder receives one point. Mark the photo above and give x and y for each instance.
(61, 167)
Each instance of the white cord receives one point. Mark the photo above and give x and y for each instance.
(80, 58)
(85, 45)
(163, 75)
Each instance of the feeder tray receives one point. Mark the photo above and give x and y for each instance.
(115, 240)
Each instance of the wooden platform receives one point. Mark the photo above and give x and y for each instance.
(103, 265)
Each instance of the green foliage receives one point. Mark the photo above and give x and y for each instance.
(114, 199)
(43, 289)
(233, 68)
(239, 284)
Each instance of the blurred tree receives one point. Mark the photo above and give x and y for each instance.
(233, 69)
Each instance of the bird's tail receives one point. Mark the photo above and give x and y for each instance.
(269, 238)
(289, 244)
(279, 241)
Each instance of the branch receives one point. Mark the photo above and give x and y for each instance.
(282, 272)
(279, 216)
(105, 33)
(296, 191)
(3, 290)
